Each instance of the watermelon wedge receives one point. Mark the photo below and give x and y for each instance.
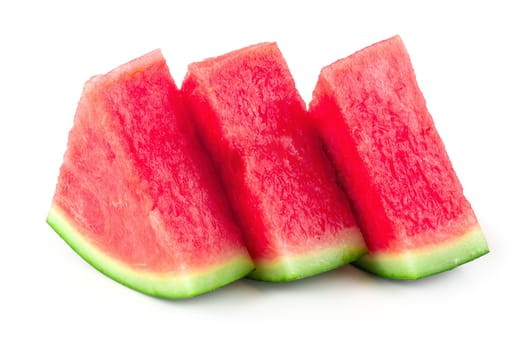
(137, 196)
(296, 220)
(408, 200)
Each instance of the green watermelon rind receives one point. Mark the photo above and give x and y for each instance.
(423, 262)
(162, 285)
(293, 267)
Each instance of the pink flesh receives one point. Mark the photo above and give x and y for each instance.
(394, 166)
(135, 180)
(279, 181)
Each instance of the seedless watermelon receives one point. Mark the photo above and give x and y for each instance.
(297, 221)
(137, 196)
(408, 200)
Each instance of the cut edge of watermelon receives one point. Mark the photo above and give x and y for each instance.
(164, 285)
(419, 263)
(293, 267)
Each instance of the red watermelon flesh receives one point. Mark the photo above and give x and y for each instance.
(137, 197)
(296, 220)
(408, 200)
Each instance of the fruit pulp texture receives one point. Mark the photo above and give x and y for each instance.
(136, 183)
(279, 181)
(393, 164)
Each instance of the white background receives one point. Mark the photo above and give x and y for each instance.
(469, 60)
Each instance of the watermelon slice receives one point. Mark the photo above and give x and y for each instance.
(297, 221)
(407, 198)
(137, 196)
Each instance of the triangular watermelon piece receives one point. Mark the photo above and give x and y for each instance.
(137, 197)
(296, 220)
(408, 200)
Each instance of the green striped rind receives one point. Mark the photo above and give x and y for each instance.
(419, 263)
(163, 285)
(289, 268)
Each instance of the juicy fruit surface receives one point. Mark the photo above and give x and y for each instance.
(393, 164)
(135, 183)
(280, 183)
